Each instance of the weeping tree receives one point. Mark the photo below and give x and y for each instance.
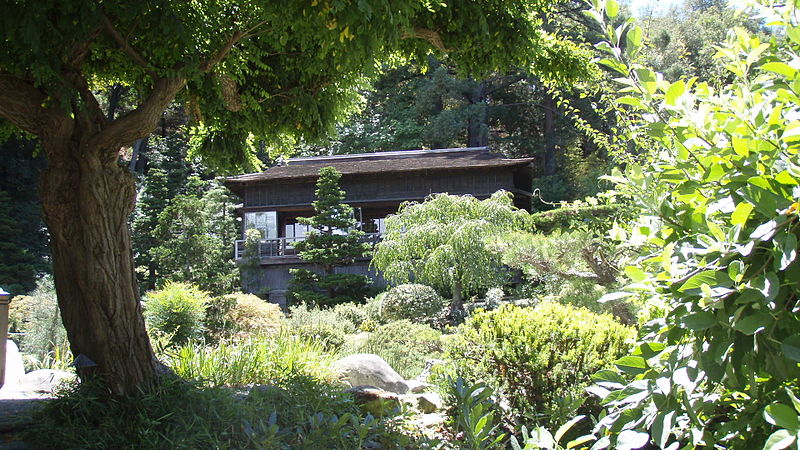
(248, 72)
(442, 243)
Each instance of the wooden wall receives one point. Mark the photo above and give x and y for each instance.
(387, 187)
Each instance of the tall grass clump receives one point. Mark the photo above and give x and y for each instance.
(262, 360)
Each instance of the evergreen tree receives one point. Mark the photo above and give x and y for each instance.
(194, 234)
(333, 242)
(17, 265)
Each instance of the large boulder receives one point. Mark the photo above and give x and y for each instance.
(371, 370)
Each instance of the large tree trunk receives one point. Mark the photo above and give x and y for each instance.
(86, 198)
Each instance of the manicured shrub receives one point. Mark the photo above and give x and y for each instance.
(540, 359)
(176, 311)
(415, 302)
(319, 324)
(405, 345)
(243, 316)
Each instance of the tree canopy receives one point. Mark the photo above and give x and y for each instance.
(251, 70)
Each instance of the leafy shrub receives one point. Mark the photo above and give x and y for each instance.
(405, 345)
(537, 357)
(352, 312)
(242, 316)
(494, 297)
(718, 197)
(177, 311)
(324, 325)
(44, 343)
(412, 301)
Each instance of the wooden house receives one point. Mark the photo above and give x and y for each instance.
(375, 185)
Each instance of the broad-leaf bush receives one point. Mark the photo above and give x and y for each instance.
(719, 199)
(43, 341)
(539, 359)
(176, 311)
(415, 302)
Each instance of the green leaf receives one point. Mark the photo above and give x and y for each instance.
(632, 439)
(636, 274)
(753, 323)
(779, 440)
(612, 9)
(789, 251)
(662, 426)
(608, 376)
(632, 365)
(674, 91)
(633, 40)
(699, 321)
(562, 430)
(741, 213)
(791, 347)
(782, 416)
(711, 278)
(780, 68)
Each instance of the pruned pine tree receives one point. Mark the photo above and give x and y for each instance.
(332, 242)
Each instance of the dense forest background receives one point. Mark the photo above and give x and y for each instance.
(183, 226)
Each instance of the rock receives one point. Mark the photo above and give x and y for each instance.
(268, 391)
(44, 380)
(374, 400)
(370, 370)
(427, 403)
(417, 387)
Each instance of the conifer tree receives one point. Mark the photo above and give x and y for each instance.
(332, 242)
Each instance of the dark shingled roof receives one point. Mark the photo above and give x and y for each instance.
(368, 163)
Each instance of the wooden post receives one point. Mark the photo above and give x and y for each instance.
(5, 299)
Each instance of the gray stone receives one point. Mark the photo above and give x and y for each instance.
(370, 370)
(427, 403)
(44, 380)
(417, 387)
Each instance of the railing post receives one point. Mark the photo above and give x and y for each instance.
(5, 299)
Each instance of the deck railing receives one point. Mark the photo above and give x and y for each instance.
(284, 246)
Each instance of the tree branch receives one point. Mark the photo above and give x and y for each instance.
(123, 44)
(141, 121)
(222, 52)
(431, 36)
(22, 104)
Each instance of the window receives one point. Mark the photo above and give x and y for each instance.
(266, 222)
